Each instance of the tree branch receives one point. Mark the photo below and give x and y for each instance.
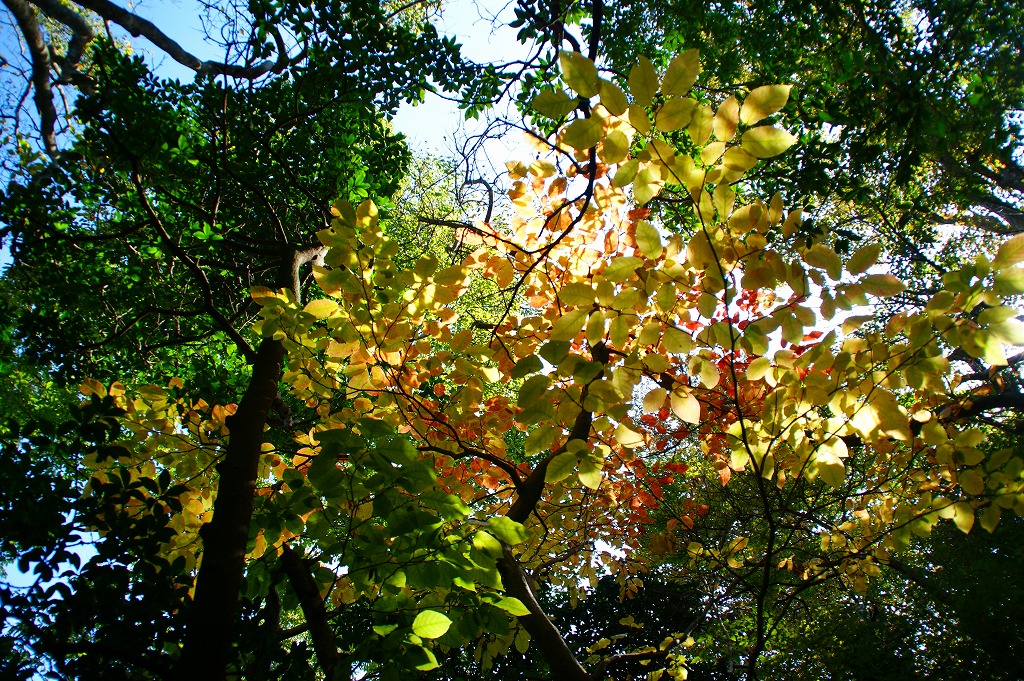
(313, 610)
(137, 26)
(42, 91)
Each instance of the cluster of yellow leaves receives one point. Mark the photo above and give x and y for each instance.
(649, 337)
(166, 433)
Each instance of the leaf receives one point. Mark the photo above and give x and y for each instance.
(526, 366)
(700, 125)
(674, 114)
(627, 437)
(681, 73)
(622, 268)
(685, 406)
(1010, 252)
(560, 467)
(577, 294)
(506, 529)
(322, 308)
(766, 141)
(626, 173)
(512, 606)
(648, 239)
(584, 133)
(554, 104)
(963, 517)
(431, 624)
(762, 102)
(882, 285)
(724, 125)
(647, 184)
(579, 73)
(864, 258)
(1009, 281)
(615, 148)
(568, 325)
(643, 82)
(613, 98)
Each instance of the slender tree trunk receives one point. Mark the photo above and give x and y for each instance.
(213, 615)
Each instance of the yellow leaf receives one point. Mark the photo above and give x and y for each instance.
(963, 516)
(626, 173)
(579, 73)
(724, 125)
(647, 184)
(882, 285)
(648, 239)
(570, 324)
(638, 119)
(584, 133)
(654, 400)
(681, 73)
(628, 437)
(577, 294)
(674, 114)
(685, 406)
(553, 103)
(615, 147)
(700, 125)
(322, 308)
(1010, 252)
(676, 341)
(763, 101)
(613, 98)
(766, 141)
(863, 258)
(643, 82)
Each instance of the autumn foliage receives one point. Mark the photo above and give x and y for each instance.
(457, 453)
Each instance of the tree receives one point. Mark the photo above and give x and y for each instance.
(165, 202)
(414, 506)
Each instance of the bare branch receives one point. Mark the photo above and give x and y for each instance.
(41, 65)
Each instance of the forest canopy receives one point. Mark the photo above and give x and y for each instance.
(719, 380)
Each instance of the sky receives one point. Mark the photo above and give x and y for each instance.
(430, 127)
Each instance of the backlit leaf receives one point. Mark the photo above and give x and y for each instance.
(674, 114)
(681, 73)
(1010, 252)
(643, 82)
(431, 624)
(766, 141)
(863, 258)
(554, 104)
(579, 73)
(613, 98)
(648, 239)
(763, 101)
(882, 285)
(724, 125)
(584, 133)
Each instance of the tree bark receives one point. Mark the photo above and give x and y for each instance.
(211, 624)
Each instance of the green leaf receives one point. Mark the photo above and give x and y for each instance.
(643, 82)
(584, 133)
(507, 530)
(766, 141)
(577, 294)
(554, 104)
(648, 239)
(963, 517)
(1009, 282)
(882, 285)
(384, 629)
(625, 174)
(431, 624)
(526, 366)
(622, 268)
(533, 389)
(568, 325)
(513, 606)
(681, 73)
(579, 73)
(486, 542)
(1010, 252)
(560, 467)
(763, 101)
(864, 258)
(674, 114)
